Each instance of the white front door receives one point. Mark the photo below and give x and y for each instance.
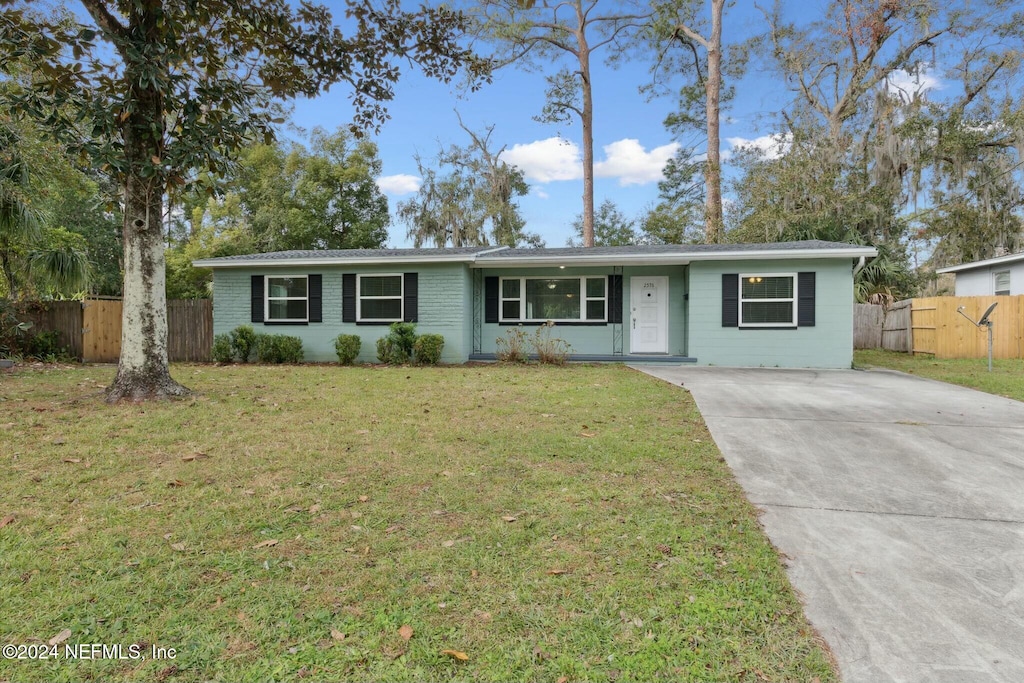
(648, 318)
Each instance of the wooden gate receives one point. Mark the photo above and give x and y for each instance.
(101, 330)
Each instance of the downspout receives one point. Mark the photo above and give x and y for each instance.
(860, 265)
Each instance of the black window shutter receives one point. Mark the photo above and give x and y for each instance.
(730, 300)
(316, 298)
(805, 302)
(412, 293)
(348, 298)
(615, 298)
(256, 290)
(490, 299)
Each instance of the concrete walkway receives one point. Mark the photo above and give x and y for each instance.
(898, 505)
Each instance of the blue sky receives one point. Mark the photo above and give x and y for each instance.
(630, 142)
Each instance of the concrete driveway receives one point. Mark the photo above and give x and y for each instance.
(898, 504)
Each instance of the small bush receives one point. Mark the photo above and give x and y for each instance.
(347, 347)
(512, 347)
(551, 350)
(384, 349)
(222, 349)
(427, 349)
(45, 346)
(397, 347)
(278, 348)
(243, 342)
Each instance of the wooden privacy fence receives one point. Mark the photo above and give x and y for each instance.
(91, 330)
(942, 332)
(933, 326)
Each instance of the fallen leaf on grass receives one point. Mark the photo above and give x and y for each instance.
(194, 456)
(362, 431)
(448, 544)
(313, 509)
(563, 679)
(9, 519)
(556, 572)
(180, 547)
(509, 518)
(363, 499)
(60, 637)
(337, 635)
(73, 461)
(587, 435)
(269, 543)
(405, 632)
(664, 549)
(455, 654)
(175, 483)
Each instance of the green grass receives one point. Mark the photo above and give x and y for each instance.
(1006, 378)
(570, 522)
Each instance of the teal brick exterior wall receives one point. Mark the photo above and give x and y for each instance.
(447, 300)
(598, 339)
(445, 297)
(829, 344)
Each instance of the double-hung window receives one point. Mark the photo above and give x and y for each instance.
(380, 298)
(559, 299)
(287, 298)
(768, 300)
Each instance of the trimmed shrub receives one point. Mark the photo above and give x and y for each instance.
(243, 342)
(397, 347)
(278, 348)
(512, 347)
(347, 347)
(384, 349)
(222, 349)
(427, 349)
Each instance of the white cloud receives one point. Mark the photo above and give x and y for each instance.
(628, 161)
(399, 184)
(553, 159)
(905, 84)
(546, 160)
(539, 193)
(772, 146)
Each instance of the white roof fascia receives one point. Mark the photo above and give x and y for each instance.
(333, 261)
(673, 259)
(997, 261)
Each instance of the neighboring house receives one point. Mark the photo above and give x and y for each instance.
(783, 304)
(1003, 275)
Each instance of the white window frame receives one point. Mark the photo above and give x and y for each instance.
(522, 299)
(360, 298)
(793, 300)
(995, 283)
(267, 298)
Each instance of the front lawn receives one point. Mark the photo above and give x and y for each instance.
(1006, 378)
(472, 523)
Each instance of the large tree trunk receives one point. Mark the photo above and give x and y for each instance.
(587, 119)
(714, 222)
(142, 371)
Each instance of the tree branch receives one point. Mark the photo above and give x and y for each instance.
(108, 23)
(692, 35)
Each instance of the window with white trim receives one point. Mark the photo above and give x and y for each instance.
(379, 298)
(767, 300)
(559, 299)
(286, 298)
(1001, 283)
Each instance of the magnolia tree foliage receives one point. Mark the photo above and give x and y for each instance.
(152, 90)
